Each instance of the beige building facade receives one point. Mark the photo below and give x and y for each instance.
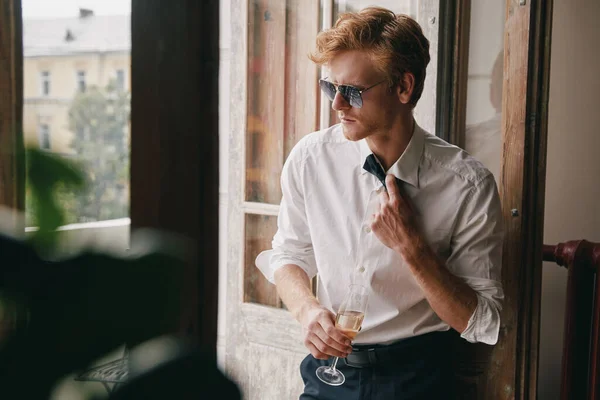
(65, 56)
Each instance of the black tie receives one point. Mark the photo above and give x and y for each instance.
(373, 166)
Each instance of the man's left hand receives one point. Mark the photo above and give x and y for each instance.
(395, 225)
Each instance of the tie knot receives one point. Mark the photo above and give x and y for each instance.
(374, 167)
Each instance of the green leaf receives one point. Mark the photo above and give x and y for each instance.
(46, 173)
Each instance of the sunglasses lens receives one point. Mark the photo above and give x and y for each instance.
(349, 93)
(352, 95)
(328, 88)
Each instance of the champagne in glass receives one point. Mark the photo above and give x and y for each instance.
(349, 322)
(348, 319)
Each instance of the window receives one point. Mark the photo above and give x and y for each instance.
(84, 120)
(81, 81)
(45, 137)
(45, 79)
(282, 107)
(120, 79)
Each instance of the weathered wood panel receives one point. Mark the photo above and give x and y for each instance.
(272, 375)
(264, 341)
(302, 101)
(234, 350)
(259, 328)
(512, 371)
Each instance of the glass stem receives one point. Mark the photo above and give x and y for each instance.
(334, 363)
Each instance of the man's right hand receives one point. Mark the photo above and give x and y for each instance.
(321, 337)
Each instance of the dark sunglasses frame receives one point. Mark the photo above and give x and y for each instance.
(351, 94)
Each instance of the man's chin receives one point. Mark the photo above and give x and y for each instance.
(353, 135)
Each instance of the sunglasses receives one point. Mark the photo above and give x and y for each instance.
(351, 94)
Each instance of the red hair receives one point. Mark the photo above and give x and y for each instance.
(395, 43)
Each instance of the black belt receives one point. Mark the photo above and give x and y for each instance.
(367, 356)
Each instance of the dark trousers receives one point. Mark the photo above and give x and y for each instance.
(418, 368)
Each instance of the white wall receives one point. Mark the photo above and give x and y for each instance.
(483, 133)
(573, 169)
(486, 40)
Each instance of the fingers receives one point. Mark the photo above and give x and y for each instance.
(316, 353)
(383, 198)
(323, 339)
(335, 339)
(392, 187)
(323, 349)
(395, 194)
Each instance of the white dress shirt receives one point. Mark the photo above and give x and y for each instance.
(324, 228)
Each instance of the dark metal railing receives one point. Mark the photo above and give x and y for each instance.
(581, 360)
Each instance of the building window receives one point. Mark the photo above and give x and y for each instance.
(44, 137)
(45, 79)
(81, 81)
(120, 79)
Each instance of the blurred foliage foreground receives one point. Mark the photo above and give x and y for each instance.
(57, 316)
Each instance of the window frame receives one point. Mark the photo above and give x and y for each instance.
(120, 78)
(44, 136)
(81, 83)
(45, 83)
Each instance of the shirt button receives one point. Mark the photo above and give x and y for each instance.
(367, 229)
(361, 269)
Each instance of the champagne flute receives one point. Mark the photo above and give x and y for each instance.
(349, 318)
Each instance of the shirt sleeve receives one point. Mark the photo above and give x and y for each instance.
(292, 243)
(476, 258)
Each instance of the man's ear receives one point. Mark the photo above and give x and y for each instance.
(405, 87)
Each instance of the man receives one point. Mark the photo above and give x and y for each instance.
(428, 248)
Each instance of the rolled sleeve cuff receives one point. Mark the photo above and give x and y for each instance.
(270, 261)
(484, 324)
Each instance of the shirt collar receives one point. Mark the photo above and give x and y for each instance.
(406, 168)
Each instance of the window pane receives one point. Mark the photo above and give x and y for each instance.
(120, 79)
(81, 81)
(70, 57)
(44, 137)
(408, 7)
(260, 230)
(45, 76)
(282, 89)
(484, 90)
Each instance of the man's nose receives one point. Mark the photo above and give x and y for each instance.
(339, 103)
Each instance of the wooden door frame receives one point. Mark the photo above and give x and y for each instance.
(508, 370)
(12, 154)
(524, 137)
(236, 311)
(453, 68)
